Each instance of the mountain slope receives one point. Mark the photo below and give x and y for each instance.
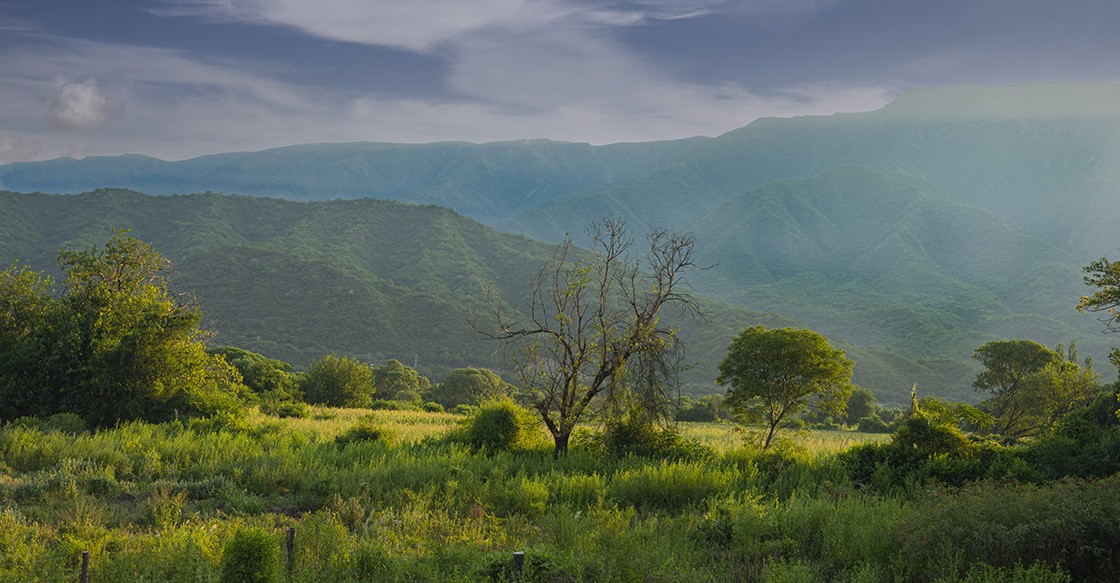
(486, 181)
(883, 262)
(293, 280)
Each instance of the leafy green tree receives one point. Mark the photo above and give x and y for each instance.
(267, 377)
(860, 404)
(471, 386)
(400, 381)
(775, 374)
(117, 344)
(338, 381)
(1030, 385)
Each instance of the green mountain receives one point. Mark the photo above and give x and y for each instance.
(947, 218)
(294, 280)
(489, 182)
(870, 258)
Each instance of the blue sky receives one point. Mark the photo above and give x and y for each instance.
(181, 78)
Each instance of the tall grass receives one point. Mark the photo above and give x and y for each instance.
(161, 503)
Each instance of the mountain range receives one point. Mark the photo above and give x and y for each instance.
(912, 233)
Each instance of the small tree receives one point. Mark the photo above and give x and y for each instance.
(860, 404)
(471, 386)
(399, 381)
(1030, 385)
(775, 374)
(338, 381)
(590, 316)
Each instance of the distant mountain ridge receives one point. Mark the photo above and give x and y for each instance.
(949, 217)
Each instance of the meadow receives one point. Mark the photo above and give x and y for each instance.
(161, 502)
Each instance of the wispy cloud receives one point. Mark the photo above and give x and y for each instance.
(17, 148)
(517, 69)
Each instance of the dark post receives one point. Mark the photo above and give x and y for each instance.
(518, 565)
(290, 548)
(85, 567)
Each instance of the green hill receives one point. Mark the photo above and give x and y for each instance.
(883, 262)
(374, 279)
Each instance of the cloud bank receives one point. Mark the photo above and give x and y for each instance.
(515, 69)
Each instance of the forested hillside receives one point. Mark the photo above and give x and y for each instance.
(370, 278)
(948, 218)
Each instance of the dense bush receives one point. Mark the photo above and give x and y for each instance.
(501, 425)
(116, 345)
(637, 434)
(1071, 524)
(251, 555)
(338, 381)
(367, 429)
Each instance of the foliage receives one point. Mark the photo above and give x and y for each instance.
(499, 426)
(471, 386)
(367, 429)
(117, 345)
(861, 403)
(393, 405)
(251, 555)
(594, 317)
(339, 381)
(1070, 524)
(1031, 385)
(401, 382)
(705, 408)
(271, 379)
(1105, 276)
(775, 374)
(637, 434)
(931, 436)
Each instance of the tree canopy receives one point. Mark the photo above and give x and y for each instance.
(396, 380)
(116, 344)
(774, 374)
(1030, 385)
(338, 381)
(471, 386)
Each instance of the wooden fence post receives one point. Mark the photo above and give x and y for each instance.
(518, 565)
(84, 578)
(290, 550)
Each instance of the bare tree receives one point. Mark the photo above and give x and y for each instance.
(590, 316)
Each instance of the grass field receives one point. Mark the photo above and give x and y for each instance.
(173, 502)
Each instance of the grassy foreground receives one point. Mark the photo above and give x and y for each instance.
(162, 502)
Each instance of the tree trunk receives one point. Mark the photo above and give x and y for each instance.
(561, 439)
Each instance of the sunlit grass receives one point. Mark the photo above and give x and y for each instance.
(327, 422)
(728, 436)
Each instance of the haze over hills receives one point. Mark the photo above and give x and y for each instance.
(950, 217)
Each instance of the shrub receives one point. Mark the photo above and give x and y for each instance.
(873, 424)
(433, 407)
(367, 429)
(251, 555)
(339, 382)
(467, 410)
(500, 425)
(71, 423)
(668, 485)
(297, 410)
(1071, 524)
(637, 434)
(393, 405)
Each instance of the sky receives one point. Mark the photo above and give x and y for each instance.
(182, 78)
